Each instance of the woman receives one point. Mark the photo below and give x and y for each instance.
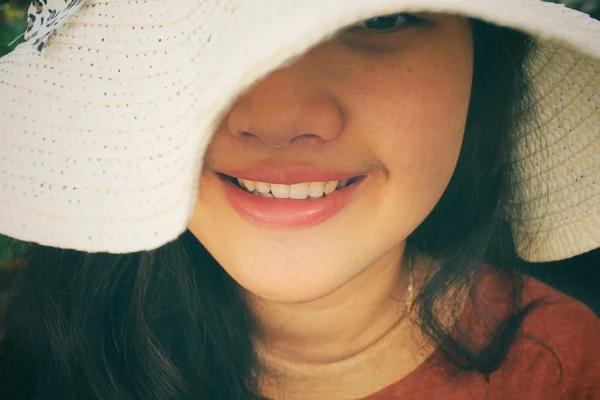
(348, 238)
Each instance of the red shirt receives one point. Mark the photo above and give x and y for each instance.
(530, 371)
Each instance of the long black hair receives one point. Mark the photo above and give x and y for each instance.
(171, 324)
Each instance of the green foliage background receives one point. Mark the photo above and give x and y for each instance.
(13, 21)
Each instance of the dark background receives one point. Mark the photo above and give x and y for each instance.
(578, 277)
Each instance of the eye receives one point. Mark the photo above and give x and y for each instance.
(386, 23)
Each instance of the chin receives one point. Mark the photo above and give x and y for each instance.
(286, 286)
(290, 295)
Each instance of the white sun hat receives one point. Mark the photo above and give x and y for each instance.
(104, 129)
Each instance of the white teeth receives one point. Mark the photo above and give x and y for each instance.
(250, 185)
(263, 187)
(298, 191)
(315, 189)
(330, 186)
(280, 191)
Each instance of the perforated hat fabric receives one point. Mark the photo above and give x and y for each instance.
(103, 129)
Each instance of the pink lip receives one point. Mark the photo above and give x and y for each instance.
(287, 213)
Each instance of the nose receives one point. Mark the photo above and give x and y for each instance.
(285, 108)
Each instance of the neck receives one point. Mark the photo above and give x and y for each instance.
(340, 324)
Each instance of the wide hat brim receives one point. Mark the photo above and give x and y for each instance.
(104, 130)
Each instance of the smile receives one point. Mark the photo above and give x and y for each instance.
(297, 205)
(298, 191)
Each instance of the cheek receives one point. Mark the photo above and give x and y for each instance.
(413, 121)
(427, 127)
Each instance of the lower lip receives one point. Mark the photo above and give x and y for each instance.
(288, 213)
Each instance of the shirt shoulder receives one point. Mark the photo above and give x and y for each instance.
(554, 356)
(559, 319)
(559, 346)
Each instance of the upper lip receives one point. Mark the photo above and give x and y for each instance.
(286, 175)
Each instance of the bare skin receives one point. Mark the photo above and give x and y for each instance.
(392, 105)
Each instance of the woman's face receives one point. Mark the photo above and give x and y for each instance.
(386, 105)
